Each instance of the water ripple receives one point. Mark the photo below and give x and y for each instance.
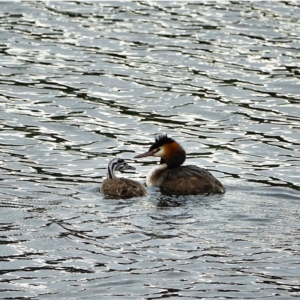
(81, 83)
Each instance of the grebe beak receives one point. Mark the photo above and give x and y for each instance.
(149, 153)
(130, 167)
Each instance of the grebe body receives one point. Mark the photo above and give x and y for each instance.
(174, 178)
(120, 188)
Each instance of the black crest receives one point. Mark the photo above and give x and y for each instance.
(160, 140)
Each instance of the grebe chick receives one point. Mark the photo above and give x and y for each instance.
(120, 187)
(177, 179)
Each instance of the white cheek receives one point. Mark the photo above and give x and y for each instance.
(159, 153)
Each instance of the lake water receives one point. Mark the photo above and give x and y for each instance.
(83, 82)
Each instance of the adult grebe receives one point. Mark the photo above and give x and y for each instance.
(177, 179)
(120, 187)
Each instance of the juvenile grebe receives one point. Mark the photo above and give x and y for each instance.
(177, 179)
(120, 187)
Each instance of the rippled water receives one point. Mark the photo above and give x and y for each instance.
(81, 83)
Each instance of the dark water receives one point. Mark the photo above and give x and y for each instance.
(81, 83)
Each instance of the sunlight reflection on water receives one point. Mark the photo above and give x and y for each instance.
(81, 83)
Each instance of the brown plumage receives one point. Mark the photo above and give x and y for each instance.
(120, 188)
(177, 179)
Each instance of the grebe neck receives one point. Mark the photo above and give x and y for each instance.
(175, 160)
(111, 168)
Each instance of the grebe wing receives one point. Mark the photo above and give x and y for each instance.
(122, 188)
(191, 180)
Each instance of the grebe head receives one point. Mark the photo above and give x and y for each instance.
(170, 152)
(117, 164)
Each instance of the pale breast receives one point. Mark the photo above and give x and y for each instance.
(154, 177)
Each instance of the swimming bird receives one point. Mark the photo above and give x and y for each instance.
(174, 178)
(120, 187)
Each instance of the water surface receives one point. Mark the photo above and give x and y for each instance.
(83, 82)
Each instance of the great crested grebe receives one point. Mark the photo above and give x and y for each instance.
(120, 187)
(177, 179)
